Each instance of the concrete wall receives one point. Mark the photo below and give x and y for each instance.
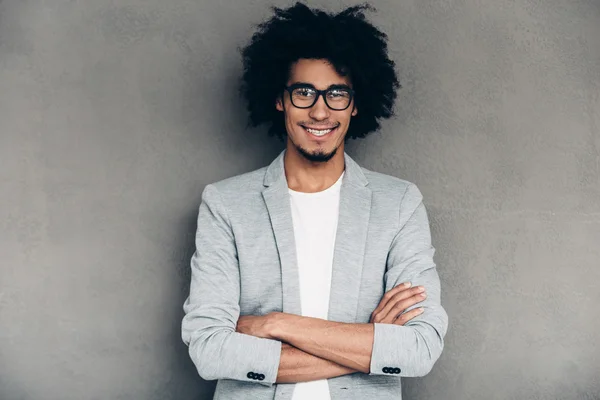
(115, 115)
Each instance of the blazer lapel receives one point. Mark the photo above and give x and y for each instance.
(351, 238)
(350, 243)
(277, 199)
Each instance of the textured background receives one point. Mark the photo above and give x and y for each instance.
(115, 115)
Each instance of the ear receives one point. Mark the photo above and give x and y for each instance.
(354, 111)
(279, 103)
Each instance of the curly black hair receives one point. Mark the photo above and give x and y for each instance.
(350, 43)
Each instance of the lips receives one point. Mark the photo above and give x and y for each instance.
(319, 132)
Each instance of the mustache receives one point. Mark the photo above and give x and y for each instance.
(319, 124)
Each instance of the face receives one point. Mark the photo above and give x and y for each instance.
(316, 132)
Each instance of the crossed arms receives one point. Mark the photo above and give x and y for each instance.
(285, 347)
(318, 349)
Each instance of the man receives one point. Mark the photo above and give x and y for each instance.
(313, 278)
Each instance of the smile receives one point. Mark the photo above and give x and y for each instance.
(319, 132)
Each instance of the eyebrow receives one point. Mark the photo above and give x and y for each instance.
(334, 86)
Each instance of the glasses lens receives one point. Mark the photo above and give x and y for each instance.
(303, 97)
(338, 99)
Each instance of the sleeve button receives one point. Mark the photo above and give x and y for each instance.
(396, 370)
(386, 370)
(261, 377)
(250, 375)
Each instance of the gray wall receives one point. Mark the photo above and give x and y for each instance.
(115, 115)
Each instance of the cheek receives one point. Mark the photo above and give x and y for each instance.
(293, 116)
(345, 119)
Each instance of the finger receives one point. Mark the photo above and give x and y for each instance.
(396, 302)
(402, 306)
(407, 316)
(391, 297)
(388, 316)
(389, 294)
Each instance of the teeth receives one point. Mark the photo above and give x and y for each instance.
(319, 132)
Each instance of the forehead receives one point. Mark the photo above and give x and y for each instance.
(320, 73)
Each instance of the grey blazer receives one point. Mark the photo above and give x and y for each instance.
(245, 264)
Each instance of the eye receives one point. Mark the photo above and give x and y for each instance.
(304, 92)
(338, 94)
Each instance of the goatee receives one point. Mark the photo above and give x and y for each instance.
(317, 156)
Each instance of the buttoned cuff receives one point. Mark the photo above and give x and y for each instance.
(390, 356)
(258, 359)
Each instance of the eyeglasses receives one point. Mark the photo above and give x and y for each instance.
(337, 98)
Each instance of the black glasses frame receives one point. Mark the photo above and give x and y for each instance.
(323, 93)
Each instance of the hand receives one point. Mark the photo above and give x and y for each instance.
(395, 302)
(255, 325)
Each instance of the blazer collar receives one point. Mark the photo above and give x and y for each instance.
(350, 242)
(276, 172)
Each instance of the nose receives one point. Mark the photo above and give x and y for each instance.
(319, 111)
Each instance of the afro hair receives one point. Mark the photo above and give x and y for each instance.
(352, 45)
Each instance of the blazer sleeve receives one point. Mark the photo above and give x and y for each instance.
(212, 308)
(411, 350)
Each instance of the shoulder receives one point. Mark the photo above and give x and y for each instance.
(392, 186)
(239, 184)
(399, 196)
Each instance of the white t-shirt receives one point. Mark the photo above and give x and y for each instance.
(315, 218)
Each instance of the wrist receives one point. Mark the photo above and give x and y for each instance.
(272, 324)
(276, 324)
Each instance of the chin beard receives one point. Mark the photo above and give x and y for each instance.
(317, 156)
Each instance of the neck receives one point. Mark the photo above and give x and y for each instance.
(307, 176)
